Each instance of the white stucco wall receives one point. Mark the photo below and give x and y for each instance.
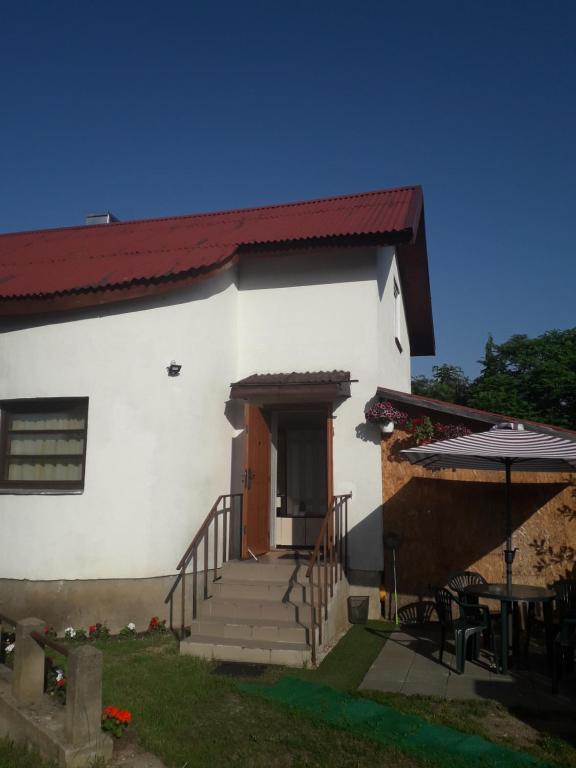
(159, 448)
(322, 311)
(393, 364)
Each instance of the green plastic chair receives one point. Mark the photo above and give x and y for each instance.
(470, 625)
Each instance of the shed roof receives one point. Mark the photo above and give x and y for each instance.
(48, 270)
(471, 414)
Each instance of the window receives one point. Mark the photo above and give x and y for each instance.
(43, 444)
(397, 316)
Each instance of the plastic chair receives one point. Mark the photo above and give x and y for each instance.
(460, 579)
(564, 648)
(565, 598)
(457, 581)
(472, 623)
(565, 637)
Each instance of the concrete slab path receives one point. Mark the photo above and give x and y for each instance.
(409, 664)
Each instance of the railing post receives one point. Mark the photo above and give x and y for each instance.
(331, 546)
(215, 563)
(206, 549)
(195, 584)
(325, 565)
(340, 538)
(28, 680)
(312, 619)
(346, 535)
(183, 602)
(225, 529)
(84, 695)
(320, 617)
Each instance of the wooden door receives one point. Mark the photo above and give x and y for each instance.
(256, 528)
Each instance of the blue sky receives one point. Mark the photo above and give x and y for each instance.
(151, 109)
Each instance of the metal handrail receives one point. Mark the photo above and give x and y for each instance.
(43, 641)
(223, 506)
(330, 557)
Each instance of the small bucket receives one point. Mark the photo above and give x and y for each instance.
(358, 609)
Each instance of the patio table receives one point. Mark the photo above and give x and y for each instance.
(508, 596)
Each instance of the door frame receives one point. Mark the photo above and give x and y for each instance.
(326, 409)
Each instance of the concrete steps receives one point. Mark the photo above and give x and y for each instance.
(251, 651)
(253, 589)
(258, 612)
(293, 570)
(238, 608)
(250, 629)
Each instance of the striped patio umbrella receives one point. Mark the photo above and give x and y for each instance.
(508, 446)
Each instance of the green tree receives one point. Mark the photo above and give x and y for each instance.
(447, 382)
(529, 378)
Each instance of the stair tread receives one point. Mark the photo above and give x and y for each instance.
(244, 643)
(252, 601)
(250, 622)
(230, 579)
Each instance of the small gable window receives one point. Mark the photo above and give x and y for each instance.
(397, 316)
(43, 444)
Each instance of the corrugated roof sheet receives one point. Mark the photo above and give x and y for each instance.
(287, 379)
(55, 261)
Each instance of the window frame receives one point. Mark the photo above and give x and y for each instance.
(44, 405)
(397, 314)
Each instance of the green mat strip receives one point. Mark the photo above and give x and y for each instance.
(383, 723)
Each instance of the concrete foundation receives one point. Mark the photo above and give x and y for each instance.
(80, 603)
(43, 726)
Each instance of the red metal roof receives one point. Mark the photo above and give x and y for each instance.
(57, 261)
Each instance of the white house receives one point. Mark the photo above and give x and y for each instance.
(131, 354)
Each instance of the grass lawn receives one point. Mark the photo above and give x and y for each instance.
(189, 716)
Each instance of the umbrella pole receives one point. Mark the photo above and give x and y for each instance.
(508, 552)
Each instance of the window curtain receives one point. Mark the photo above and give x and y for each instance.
(46, 453)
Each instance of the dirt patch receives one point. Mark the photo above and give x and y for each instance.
(502, 726)
(159, 650)
(129, 754)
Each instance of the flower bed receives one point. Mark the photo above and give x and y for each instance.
(422, 428)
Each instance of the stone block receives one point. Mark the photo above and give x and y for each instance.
(84, 695)
(29, 660)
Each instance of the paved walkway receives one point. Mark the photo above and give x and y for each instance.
(409, 664)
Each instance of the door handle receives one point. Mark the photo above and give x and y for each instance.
(247, 477)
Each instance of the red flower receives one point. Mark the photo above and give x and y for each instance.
(124, 716)
(61, 683)
(110, 711)
(92, 629)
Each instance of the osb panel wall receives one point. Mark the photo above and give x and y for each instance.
(451, 520)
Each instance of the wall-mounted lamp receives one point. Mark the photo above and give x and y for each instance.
(174, 369)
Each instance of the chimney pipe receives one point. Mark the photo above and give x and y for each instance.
(100, 218)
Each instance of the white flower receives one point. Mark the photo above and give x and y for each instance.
(10, 647)
(59, 675)
(131, 626)
(70, 632)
